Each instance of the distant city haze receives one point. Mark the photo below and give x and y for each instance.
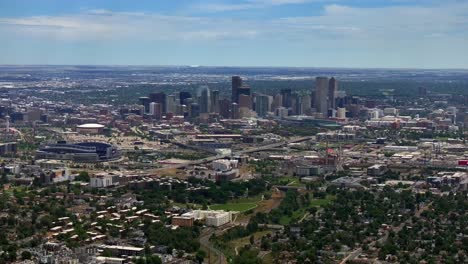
(290, 33)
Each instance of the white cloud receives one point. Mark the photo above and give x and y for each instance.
(397, 23)
(246, 5)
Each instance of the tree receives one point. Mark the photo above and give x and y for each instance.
(265, 245)
(200, 256)
(153, 259)
(26, 255)
(252, 239)
(83, 176)
(106, 253)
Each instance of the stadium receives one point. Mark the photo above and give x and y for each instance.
(79, 152)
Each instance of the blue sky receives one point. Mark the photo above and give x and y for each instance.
(302, 33)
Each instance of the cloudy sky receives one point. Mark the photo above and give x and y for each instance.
(302, 33)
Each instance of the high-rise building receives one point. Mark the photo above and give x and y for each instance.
(234, 111)
(305, 104)
(180, 109)
(194, 110)
(262, 105)
(236, 84)
(321, 94)
(155, 110)
(145, 101)
(204, 100)
(277, 102)
(286, 96)
(295, 104)
(245, 101)
(332, 90)
(244, 89)
(225, 108)
(214, 101)
(171, 104)
(183, 96)
(159, 98)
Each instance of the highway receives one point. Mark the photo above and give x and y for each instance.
(245, 151)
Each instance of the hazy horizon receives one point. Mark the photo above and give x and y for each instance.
(226, 66)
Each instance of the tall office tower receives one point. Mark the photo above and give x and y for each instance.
(225, 108)
(340, 99)
(245, 101)
(180, 109)
(194, 110)
(286, 95)
(305, 104)
(183, 96)
(244, 89)
(171, 104)
(234, 111)
(332, 90)
(236, 84)
(159, 98)
(152, 107)
(295, 104)
(262, 105)
(204, 100)
(321, 92)
(145, 101)
(277, 102)
(312, 99)
(214, 101)
(155, 110)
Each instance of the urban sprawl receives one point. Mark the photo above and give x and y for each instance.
(234, 175)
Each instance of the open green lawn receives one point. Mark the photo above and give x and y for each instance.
(253, 199)
(239, 207)
(322, 202)
(296, 183)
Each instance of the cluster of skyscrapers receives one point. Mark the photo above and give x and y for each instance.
(321, 102)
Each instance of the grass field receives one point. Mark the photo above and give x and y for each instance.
(321, 202)
(239, 207)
